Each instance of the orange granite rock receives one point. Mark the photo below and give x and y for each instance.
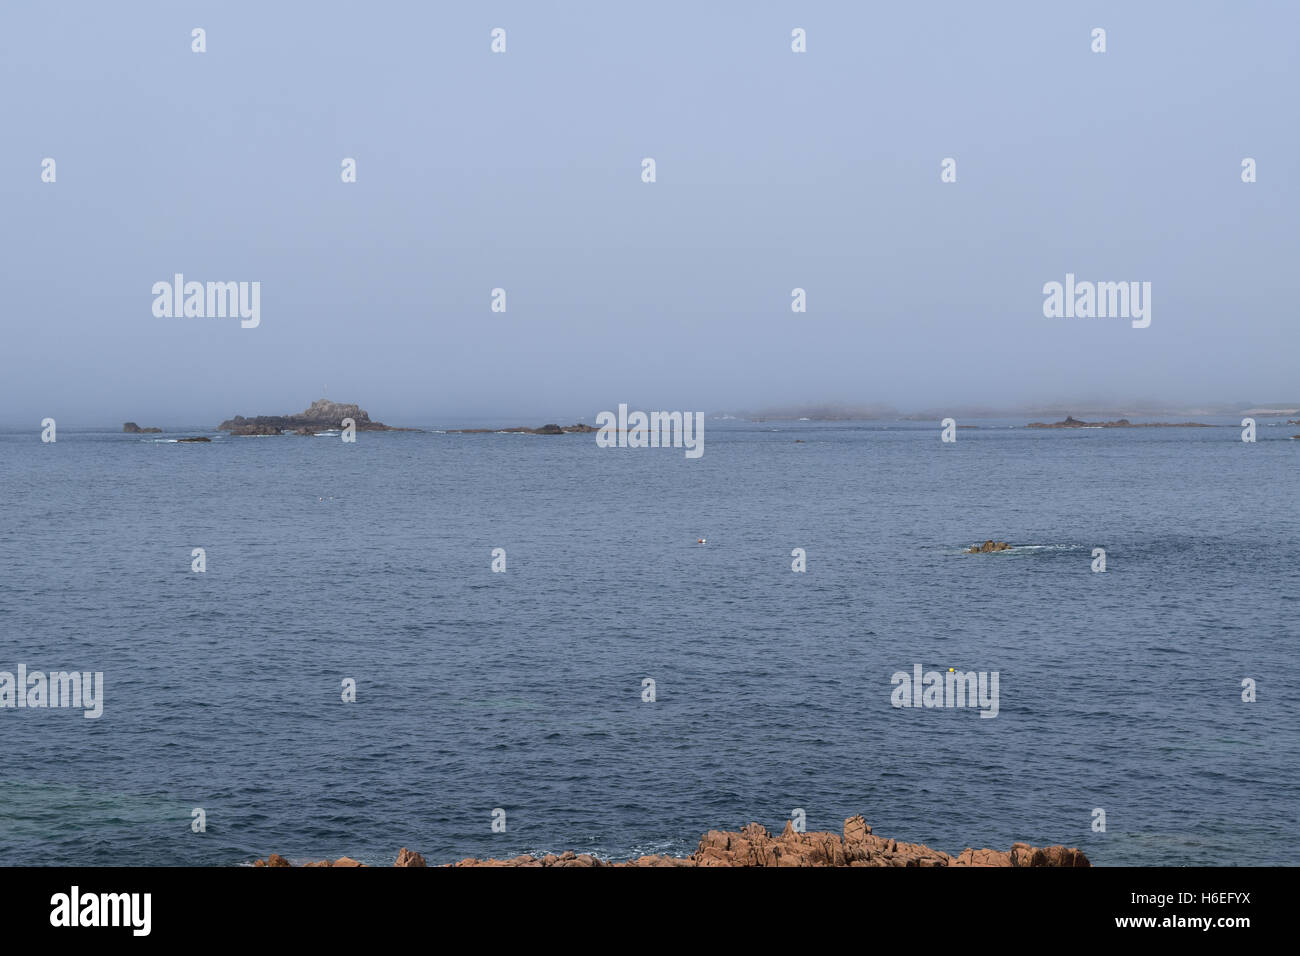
(406, 858)
(752, 845)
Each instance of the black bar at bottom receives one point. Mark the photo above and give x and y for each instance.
(381, 906)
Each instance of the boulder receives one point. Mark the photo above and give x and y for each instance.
(970, 857)
(1022, 854)
(406, 858)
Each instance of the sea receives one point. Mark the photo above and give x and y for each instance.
(348, 675)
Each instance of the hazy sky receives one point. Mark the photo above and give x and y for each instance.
(522, 170)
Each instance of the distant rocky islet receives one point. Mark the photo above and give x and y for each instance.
(1071, 422)
(522, 430)
(322, 415)
(131, 428)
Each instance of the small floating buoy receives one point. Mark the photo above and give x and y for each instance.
(699, 540)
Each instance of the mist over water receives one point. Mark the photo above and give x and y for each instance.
(521, 171)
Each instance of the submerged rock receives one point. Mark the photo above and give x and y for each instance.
(754, 846)
(988, 546)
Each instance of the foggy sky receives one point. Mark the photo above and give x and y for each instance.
(522, 171)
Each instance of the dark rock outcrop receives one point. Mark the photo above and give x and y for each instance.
(321, 415)
(243, 426)
(1072, 422)
(522, 430)
(754, 846)
(131, 428)
(199, 439)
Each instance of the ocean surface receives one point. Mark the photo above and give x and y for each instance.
(522, 690)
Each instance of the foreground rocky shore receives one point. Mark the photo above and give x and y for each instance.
(754, 846)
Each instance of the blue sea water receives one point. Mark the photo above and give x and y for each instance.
(522, 691)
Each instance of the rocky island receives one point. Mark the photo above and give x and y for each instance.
(131, 428)
(754, 846)
(321, 415)
(1072, 422)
